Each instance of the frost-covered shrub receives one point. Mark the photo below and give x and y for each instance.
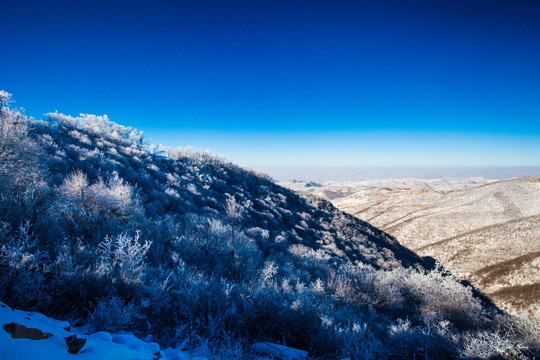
(514, 335)
(91, 210)
(112, 314)
(23, 268)
(113, 197)
(490, 345)
(316, 262)
(386, 290)
(281, 316)
(359, 343)
(408, 342)
(441, 294)
(196, 156)
(124, 256)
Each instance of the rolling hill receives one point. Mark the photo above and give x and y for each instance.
(488, 232)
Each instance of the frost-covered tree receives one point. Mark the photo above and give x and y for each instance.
(75, 186)
(233, 209)
(234, 212)
(21, 169)
(5, 98)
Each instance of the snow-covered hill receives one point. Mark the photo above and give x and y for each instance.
(487, 231)
(195, 252)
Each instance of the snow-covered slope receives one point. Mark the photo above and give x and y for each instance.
(487, 231)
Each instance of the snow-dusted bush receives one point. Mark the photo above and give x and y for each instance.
(360, 343)
(23, 191)
(85, 206)
(112, 314)
(441, 295)
(23, 267)
(490, 345)
(113, 197)
(197, 156)
(123, 256)
(409, 342)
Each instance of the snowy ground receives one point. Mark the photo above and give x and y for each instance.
(100, 345)
(332, 190)
(34, 336)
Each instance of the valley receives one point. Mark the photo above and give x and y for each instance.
(487, 231)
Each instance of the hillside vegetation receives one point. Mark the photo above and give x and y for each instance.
(192, 251)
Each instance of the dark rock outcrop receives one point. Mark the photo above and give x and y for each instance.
(18, 331)
(74, 344)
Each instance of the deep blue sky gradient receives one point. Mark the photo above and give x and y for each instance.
(291, 82)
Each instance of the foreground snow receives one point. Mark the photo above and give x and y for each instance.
(16, 326)
(100, 345)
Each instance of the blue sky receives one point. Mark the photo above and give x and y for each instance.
(348, 83)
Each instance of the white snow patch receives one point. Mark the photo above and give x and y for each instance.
(100, 345)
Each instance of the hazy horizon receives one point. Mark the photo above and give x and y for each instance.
(360, 173)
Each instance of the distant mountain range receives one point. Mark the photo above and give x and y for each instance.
(487, 231)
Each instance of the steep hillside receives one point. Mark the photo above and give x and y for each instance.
(193, 252)
(187, 183)
(488, 233)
